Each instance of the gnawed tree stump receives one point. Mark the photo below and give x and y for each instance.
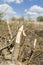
(19, 41)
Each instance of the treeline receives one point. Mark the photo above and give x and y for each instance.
(40, 18)
(2, 14)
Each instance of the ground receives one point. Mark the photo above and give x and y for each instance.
(28, 54)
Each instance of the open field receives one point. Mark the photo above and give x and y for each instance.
(33, 30)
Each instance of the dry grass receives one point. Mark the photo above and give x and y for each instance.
(32, 30)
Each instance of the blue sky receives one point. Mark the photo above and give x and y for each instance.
(24, 8)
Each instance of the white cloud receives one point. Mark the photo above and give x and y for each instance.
(35, 11)
(7, 10)
(9, 1)
(25, 10)
(17, 1)
(36, 8)
(31, 13)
